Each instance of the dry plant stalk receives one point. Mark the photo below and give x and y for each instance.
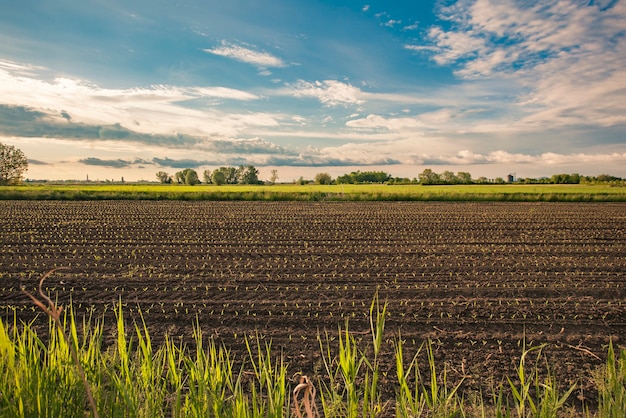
(54, 312)
(308, 398)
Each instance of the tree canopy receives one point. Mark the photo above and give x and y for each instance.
(13, 164)
(364, 177)
(188, 176)
(323, 178)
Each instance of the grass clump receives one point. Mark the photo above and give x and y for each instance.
(611, 383)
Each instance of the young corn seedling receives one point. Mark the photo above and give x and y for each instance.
(521, 395)
(175, 357)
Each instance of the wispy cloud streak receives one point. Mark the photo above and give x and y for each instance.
(241, 53)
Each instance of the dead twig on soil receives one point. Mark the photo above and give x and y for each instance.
(584, 350)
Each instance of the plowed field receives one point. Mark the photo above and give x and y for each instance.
(478, 279)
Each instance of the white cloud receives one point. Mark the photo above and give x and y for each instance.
(391, 23)
(329, 92)
(261, 60)
(377, 122)
(437, 120)
(455, 45)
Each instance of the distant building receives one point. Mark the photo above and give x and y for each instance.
(510, 178)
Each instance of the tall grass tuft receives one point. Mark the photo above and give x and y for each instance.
(269, 396)
(611, 383)
(410, 401)
(531, 396)
(372, 404)
(439, 399)
(211, 379)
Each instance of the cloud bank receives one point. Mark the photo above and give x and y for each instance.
(566, 57)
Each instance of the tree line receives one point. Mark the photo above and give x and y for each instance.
(223, 175)
(249, 175)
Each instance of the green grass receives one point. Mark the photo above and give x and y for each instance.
(312, 192)
(131, 378)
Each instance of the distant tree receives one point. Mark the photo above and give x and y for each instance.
(207, 176)
(400, 180)
(164, 177)
(428, 176)
(248, 174)
(464, 177)
(606, 178)
(229, 173)
(13, 163)
(565, 178)
(274, 176)
(345, 179)
(323, 178)
(191, 177)
(448, 177)
(218, 178)
(188, 176)
(301, 181)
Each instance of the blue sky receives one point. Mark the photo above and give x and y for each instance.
(111, 89)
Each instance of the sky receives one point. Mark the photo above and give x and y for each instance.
(111, 89)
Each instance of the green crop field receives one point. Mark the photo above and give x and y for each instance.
(500, 192)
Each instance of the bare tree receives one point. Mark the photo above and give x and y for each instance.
(274, 176)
